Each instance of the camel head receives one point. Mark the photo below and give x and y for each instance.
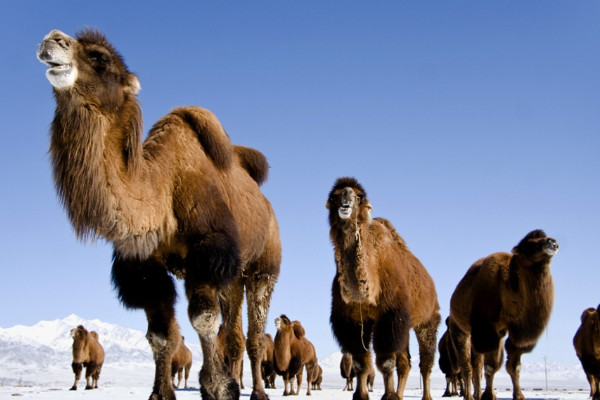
(86, 66)
(348, 201)
(79, 333)
(536, 247)
(283, 322)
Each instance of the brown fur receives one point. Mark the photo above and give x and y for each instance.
(587, 347)
(267, 368)
(222, 347)
(88, 353)
(293, 352)
(380, 291)
(501, 294)
(181, 364)
(185, 201)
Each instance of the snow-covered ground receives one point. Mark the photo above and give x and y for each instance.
(35, 363)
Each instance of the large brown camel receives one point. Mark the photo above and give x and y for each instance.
(380, 291)
(88, 353)
(587, 347)
(449, 366)
(181, 364)
(292, 352)
(267, 367)
(184, 202)
(502, 293)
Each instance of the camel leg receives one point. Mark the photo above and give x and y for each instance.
(476, 365)
(203, 310)
(77, 367)
(148, 285)
(427, 339)
(360, 363)
(462, 344)
(259, 287)
(231, 308)
(390, 337)
(187, 375)
(89, 375)
(513, 366)
(492, 362)
(402, 370)
(96, 376)
(386, 364)
(299, 376)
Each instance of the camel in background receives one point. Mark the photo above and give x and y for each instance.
(181, 364)
(88, 353)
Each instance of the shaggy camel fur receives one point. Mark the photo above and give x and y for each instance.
(587, 347)
(448, 363)
(267, 368)
(88, 353)
(347, 371)
(223, 352)
(292, 352)
(500, 294)
(184, 202)
(380, 291)
(181, 363)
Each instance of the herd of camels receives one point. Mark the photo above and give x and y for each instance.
(186, 203)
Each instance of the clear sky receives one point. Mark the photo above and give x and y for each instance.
(469, 123)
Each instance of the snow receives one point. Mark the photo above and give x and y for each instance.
(35, 362)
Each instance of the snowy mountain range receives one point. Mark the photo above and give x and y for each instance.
(41, 355)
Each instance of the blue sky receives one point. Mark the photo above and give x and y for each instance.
(469, 123)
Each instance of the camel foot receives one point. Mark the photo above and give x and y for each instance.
(158, 396)
(73, 387)
(231, 391)
(87, 387)
(359, 396)
(488, 395)
(518, 395)
(258, 395)
(390, 396)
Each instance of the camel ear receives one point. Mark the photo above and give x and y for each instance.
(133, 84)
(515, 250)
(327, 204)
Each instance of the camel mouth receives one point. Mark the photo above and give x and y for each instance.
(345, 211)
(551, 248)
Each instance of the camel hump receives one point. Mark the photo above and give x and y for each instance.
(254, 162)
(94, 335)
(298, 329)
(210, 132)
(395, 235)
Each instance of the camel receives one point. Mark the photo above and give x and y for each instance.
(502, 294)
(185, 202)
(293, 352)
(317, 378)
(587, 347)
(380, 291)
(267, 368)
(224, 354)
(88, 353)
(448, 363)
(181, 362)
(347, 371)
